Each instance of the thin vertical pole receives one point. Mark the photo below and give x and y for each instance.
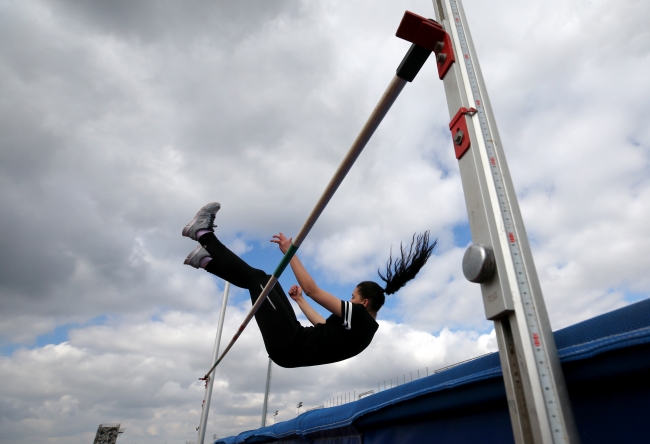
(267, 390)
(215, 353)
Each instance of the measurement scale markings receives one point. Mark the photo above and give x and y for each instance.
(549, 395)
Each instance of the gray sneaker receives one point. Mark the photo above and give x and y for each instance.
(203, 220)
(194, 258)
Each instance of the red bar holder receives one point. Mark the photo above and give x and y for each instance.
(459, 131)
(428, 34)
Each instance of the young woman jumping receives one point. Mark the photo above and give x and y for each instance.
(346, 333)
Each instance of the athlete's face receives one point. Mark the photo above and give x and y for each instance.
(357, 299)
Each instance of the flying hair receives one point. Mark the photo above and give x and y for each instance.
(402, 269)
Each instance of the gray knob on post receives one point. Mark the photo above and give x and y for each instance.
(478, 263)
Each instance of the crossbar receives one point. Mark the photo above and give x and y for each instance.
(387, 99)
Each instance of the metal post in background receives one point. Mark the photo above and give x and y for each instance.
(215, 353)
(107, 433)
(267, 391)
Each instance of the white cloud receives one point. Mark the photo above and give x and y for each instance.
(145, 376)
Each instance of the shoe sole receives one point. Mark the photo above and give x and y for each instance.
(216, 206)
(190, 256)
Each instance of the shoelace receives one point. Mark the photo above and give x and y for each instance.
(211, 222)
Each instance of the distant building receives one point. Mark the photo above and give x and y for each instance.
(107, 433)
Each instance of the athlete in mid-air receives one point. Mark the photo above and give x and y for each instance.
(346, 333)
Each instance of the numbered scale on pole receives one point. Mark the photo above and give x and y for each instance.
(501, 245)
(541, 360)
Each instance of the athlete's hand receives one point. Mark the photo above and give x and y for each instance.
(296, 293)
(282, 242)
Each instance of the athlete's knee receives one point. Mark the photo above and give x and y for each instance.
(255, 281)
(260, 276)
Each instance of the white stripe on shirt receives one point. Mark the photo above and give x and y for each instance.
(347, 315)
(268, 298)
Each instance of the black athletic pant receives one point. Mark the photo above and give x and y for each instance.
(276, 319)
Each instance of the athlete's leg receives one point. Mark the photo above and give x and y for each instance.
(230, 267)
(275, 318)
(277, 323)
(279, 298)
(227, 265)
(280, 329)
(254, 280)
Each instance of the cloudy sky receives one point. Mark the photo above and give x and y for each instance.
(118, 120)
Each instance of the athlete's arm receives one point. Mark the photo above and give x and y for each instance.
(296, 294)
(326, 300)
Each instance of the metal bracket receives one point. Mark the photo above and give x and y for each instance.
(459, 131)
(430, 35)
(444, 56)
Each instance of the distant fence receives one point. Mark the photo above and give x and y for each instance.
(388, 384)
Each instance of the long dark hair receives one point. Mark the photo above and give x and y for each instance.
(398, 271)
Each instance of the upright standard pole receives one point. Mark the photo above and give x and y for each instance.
(267, 391)
(424, 39)
(210, 380)
(500, 258)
